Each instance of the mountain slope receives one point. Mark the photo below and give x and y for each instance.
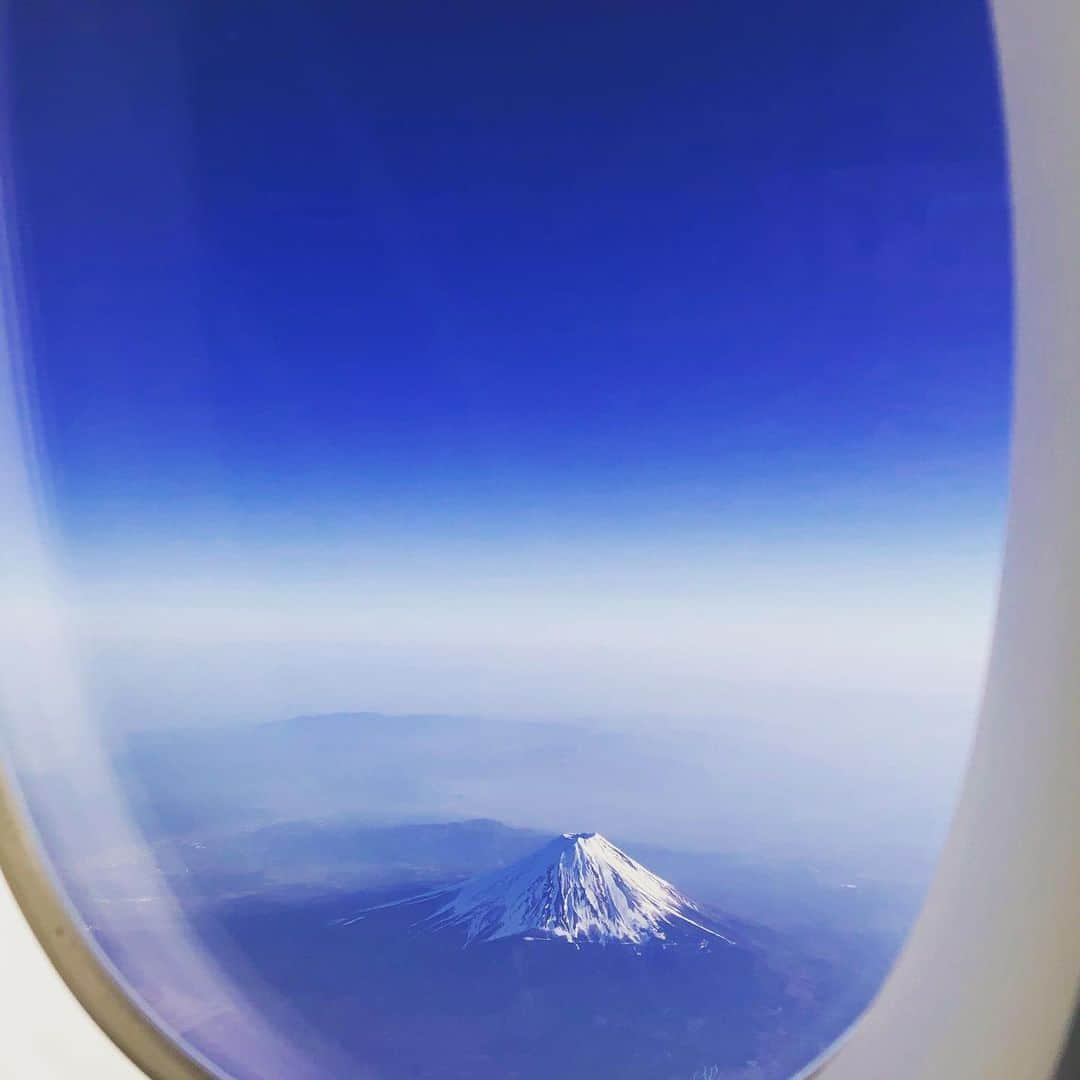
(577, 887)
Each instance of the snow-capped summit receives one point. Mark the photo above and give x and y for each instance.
(577, 887)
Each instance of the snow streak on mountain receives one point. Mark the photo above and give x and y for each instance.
(578, 887)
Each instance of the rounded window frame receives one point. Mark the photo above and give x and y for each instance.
(903, 1032)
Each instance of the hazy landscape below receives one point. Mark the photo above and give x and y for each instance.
(265, 834)
(373, 999)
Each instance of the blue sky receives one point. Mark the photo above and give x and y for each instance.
(574, 358)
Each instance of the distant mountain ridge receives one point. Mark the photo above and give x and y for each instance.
(388, 769)
(578, 887)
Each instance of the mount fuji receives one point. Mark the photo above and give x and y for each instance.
(579, 887)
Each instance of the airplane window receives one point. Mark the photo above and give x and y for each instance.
(516, 515)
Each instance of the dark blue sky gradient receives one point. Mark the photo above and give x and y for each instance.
(294, 261)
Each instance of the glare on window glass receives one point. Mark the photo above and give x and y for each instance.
(517, 505)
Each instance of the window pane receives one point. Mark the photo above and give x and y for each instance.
(522, 489)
